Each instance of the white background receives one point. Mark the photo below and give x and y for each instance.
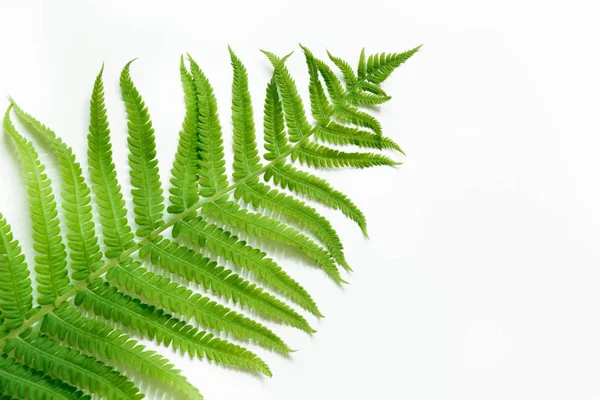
(480, 280)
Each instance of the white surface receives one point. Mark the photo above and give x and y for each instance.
(480, 279)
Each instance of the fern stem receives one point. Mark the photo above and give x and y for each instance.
(190, 212)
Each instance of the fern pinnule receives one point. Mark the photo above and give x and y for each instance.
(348, 73)
(317, 189)
(319, 156)
(212, 177)
(380, 66)
(109, 199)
(245, 152)
(184, 180)
(295, 116)
(338, 134)
(16, 300)
(51, 256)
(147, 192)
(261, 195)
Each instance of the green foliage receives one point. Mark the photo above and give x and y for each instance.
(16, 293)
(95, 337)
(109, 199)
(51, 256)
(54, 351)
(147, 192)
(43, 354)
(22, 382)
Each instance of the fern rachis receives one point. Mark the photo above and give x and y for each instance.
(142, 299)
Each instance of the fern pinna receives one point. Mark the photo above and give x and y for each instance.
(101, 287)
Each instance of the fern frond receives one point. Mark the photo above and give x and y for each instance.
(22, 382)
(175, 298)
(184, 192)
(55, 337)
(15, 286)
(51, 257)
(320, 156)
(212, 163)
(85, 372)
(81, 237)
(337, 134)
(192, 266)
(237, 251)
(246, 159)
(317, 189)
(95, 337)
(260, 195)
(380, 66)
(111, 205)
(104, 300)
(147, 192)
(258, 225)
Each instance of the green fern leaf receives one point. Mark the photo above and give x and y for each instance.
(332, 83)
(54, 337)
(192, 266)
(237, 251)
(260, 195)
(349, 76)
(177, 299)
(380, 66)
(369, 87)
(317, 189)
(51, 258)
(259, 225)
(366, 98)
(15, 286)
(295, 116)
(95, 337)
(320, 107)
(276, 143)
(25, 383)
(147, 192)
(212, 163)
(83, 244)
(246, 159)
(104, 300)
(184, 192)
(111, 205)
(362, 65)
(85, 372)
(352, 115)
(337, 134)
(319, 156)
